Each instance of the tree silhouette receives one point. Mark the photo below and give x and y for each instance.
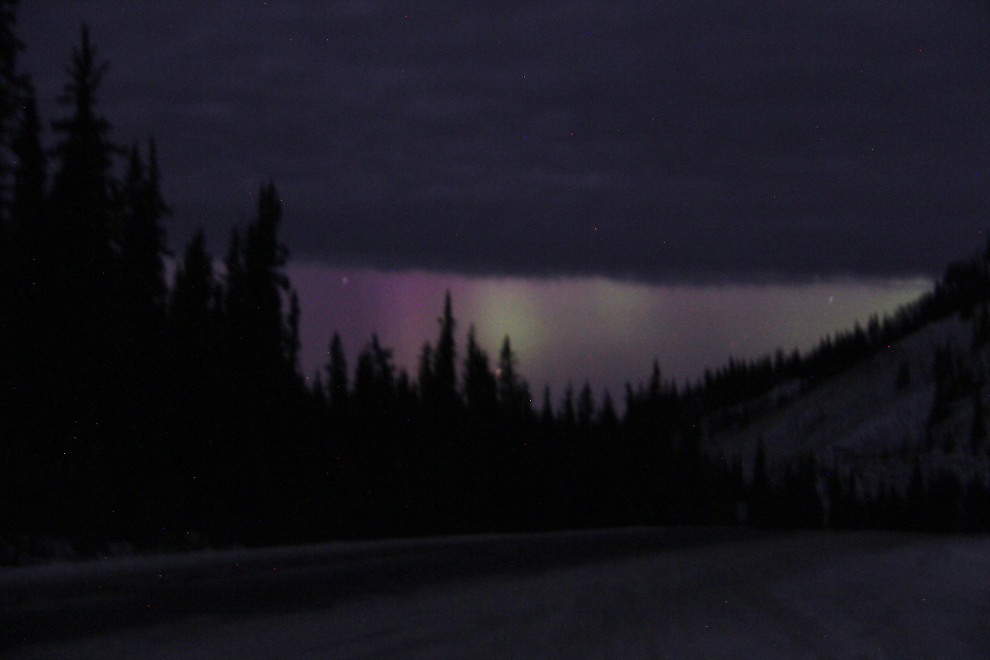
(83, 287)
(195, 326)
(585, 408)
(375, 411)
(799, 505)
(193, 304)
(944, 503)
(903, 379)
(11, 83)
(262, 383)
(374, 383)
(444, 374)
(425, 379)
(479, 390)
(608, 418)
(26, 248)
(978, 428)
(145, 459)
(546, 415)
(566, 417)
(336, 369)
(264, 280)
(81, 186)
(761, 501)
(915, 500)
(490, 454)
(291, 340)
(981, 326)
(513, 390)
(20, 339)
(134, 411)
(30, 175)
(976, 506)
(142, 247)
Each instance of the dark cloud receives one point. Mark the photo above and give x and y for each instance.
(704, 139)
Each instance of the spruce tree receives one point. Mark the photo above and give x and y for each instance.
(30, 170)
(262, 390)
(148, 458)
(81, 185)
(944, 502)
(425, 379)
(761, 504)
(192, 299)
(19, 319)
(292, 344)
(585, 408)
(83, 264)
(11, 88)
(479, 387)
(27, 259)
(975, 511)
(195, 326)
(142, 246)
(981, 326)
(336, 369)
(567, 417)
(546, 414)
(264, 258)
(25, 255)
(915, 501)
(978, 428)
(509, 383)
(444, 375)
(513, 392)
(260, 341)
(83, 288)
(607, 417)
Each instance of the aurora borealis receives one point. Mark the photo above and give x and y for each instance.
(574, 173)
(573, 329)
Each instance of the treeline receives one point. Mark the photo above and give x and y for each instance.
(964, 289)
(172, 414)
(158, 413)
(807, 495)
(132, 410)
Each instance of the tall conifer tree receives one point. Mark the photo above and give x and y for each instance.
(513, 391)
(142, 241)
(15, 293)
(444, 373)
(83, 289)
(81, 186)
(30, 166)
(11, 90)
(479, 385)
(255, 284)
(337, 380)
(142, 251)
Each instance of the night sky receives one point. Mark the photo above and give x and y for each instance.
(651, 143)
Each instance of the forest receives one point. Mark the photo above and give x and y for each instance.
(140, 414)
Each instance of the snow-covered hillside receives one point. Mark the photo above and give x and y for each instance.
(864, 420)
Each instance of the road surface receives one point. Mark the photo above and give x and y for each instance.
(641, 593)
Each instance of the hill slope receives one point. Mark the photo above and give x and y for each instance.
(865, 421)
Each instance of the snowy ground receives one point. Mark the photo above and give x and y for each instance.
(621, 594)
(861, 419)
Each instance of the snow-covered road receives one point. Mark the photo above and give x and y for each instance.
(627, 594)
